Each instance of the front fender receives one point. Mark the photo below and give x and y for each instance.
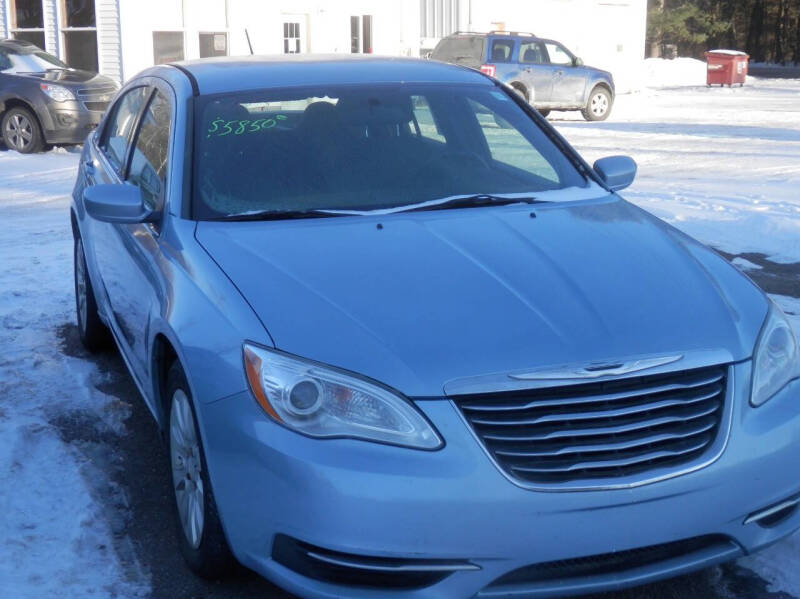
(203, 316)
(594, 81)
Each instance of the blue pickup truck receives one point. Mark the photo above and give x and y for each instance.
(542, 71)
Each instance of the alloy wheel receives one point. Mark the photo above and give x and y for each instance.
(80, 285)
(599, 104)
(19, 131)
(186, 468)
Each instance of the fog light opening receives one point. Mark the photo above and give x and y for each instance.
(775, 514)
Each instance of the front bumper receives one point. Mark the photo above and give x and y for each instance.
(66, 122)
(453, 504)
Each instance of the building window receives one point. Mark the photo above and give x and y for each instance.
(361, 34)
(80, 34)
(213, 44)
(27, 21)
(167, 46)
(291, 38)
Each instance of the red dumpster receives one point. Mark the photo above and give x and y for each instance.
(726, 67)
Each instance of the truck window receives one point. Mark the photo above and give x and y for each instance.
(466, 50)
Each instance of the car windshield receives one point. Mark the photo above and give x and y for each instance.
(34, 62)
(367, 147)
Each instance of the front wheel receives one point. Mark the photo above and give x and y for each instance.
(201, 537)
(94, 334)
(21, 131)
(599, 105)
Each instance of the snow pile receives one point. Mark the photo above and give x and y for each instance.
(55, 538)
(680, 72)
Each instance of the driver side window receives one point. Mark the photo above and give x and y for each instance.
(117, 135)
(558, 55)
(148, 169)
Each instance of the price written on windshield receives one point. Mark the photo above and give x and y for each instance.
(220, 127)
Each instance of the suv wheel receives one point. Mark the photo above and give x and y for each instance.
(599, 105)
(21, 131)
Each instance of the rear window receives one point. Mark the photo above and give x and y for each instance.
(467, 50)
(367, 147)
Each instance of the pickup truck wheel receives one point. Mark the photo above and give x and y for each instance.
(94, 334)
(21, 131)
(599, 105)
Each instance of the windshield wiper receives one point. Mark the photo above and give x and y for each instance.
(465, 201)
(460, 201)
(471, 201)
(277, 215)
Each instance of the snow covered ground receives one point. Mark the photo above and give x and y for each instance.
(721, 164)
(56, 538)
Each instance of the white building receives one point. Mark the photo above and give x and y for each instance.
(121, 37)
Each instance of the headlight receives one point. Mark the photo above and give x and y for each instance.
(58, 93)
(775, 361)
(322, 402)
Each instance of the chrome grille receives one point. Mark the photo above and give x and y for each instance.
(600, 430)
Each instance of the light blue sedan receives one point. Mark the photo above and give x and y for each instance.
(398, 350)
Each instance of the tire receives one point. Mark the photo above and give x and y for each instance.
(200, 535)
(520, 92)
(599, 105)
(21, 131)
(544, 111)
(94, 334)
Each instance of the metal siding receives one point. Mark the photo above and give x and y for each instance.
(3, 22)
(51, 40)
(439, 17)
(109, 46)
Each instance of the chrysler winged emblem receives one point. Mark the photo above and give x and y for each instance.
(595, 369)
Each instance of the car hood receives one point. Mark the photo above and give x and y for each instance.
(429, 297)
(73, 77)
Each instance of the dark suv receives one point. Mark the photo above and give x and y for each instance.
(43, 101)
(542, 71)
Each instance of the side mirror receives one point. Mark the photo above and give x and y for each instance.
(577, 62)
(617, 172)
(120, 204)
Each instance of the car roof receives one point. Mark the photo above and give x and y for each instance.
(228, 74)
